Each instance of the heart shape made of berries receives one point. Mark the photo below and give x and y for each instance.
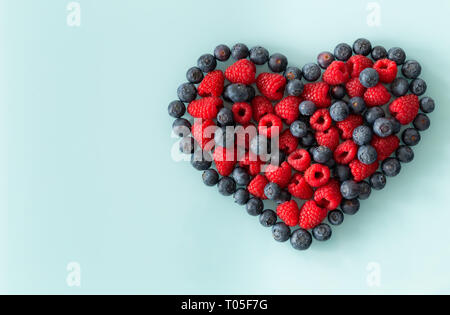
(315, 140)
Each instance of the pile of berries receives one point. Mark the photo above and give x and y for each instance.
(324, 136)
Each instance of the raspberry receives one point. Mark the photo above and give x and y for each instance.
(203, 132)
(347, 126)
(225, 160)
(289, 212)
(377, 96)
(328, 138)
(270, 124)
(242, 113)
(329, 196)
(287, 142)
(358, 63)
(321, 120)
(317, 93)
(385, 146)
(336, 73)
(311, 215)
(355, 88)
(299, 188)
(206, 108)
(251, 163)
(317, 175)
(212, 84)
(261, 106)
(361, 171)
(271, 85)
(387, 70)
(242, 71)
(345, 152)
(405, 108)
(256, 186)
(280, 175)
(300, 160)
(287, 109)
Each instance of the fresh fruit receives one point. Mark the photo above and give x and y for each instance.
(321, 154)
(339, 111)
(287, 142)
(287, 109)
(212, 84)
(383, 127)
(205, 108)
(259, 55)
(328, 138)
(225, 160)
(427, 105)
(336, 73)
(194, 75)
(329, 195)
(299, 188)
(203, 131)
(355, 88)
(187, 92)
(367, 154)
(257, 185)
(280, 175)
(418, 87)
(239, 51)
(343, 52)
(222, 52)
(261, 106)
(347, 126)
(294, 87)
(187, 145)
(281, 232)
(226, 186)
(411, 137)
(377, 181)
(254, 206)
(237, 93)
(335, 217)
(322, 232)
(321, 120)
(242, 71)
(399, 87)
(377, 96)
(181, 127)
(207, 63)
(421, 122)
(289, 213)
(176, 109)
(350, 189)
(404, 154)
(278, 63)
(311, 215)
(241, 196)
(268, 218)
(358, 63)
(362, 46)
(242, 113)
(386, 69)
(324, 59)
(385, 146)
(293, 73)
(391, 167)
(350, 206)
(271, 85)
(272, 191)
(362, 135)
(317, 175)
(361, 171)
(379, 52)
(307, 108)
(318, 93)
(345, 152)
(240, 176)
(210, 177)
(405, 108)
(301, 239)
(397, 55)
(311, 72)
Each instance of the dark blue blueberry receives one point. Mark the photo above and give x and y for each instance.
(210, 177)
(335, 217)
(268, 218)
(240, 176)
(396, 125)
(187, 92)
(411, 137)
(411, 69)
(322, 232)
(278, 63)
(259, 55)
(427, 104)
(237, 93)
(194, 75)
(201, 161)
(322, 154)
(399, 87)
(339, 111)
(284, 196)
(301, 239)
(391, 167)
(373, 114)
(331, 163)
(308, 140)
(364, 190)
(276, 158)
(350, 206)
(311, 72)
(226, 186)
(350, 189)
(207, 63)
(294, 87)
(404, 154)
(367, 154)
(222, 52)
(307, 108)
(362, 46)
(251, 93)
(254, 206)
(181, 127)
(342, 172)
(272, 191)
(338, 92)
(299, 129)
(362, 135)
(239, 51)
(379, 52)
(377, 181)
(225, 117)
(176, 109)
(418, 87)
(343, 52)
(421, 122)
(397, 55)
(383, 127)
(369, 77)
(187, 145)
(357, 105)
(241, 196)
(324, 59)
(293, 73)
(224, 137)
(281, 232)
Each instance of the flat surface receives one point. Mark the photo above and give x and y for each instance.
(86, 174)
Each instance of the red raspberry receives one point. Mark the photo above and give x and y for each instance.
(361, 171)
(280, 175)
(256, 186)
(206, 108)
(358, 63)
(387, 70)
(346, 152)
(271, 85)
(385, 146)
(251, 163)
(270, 124)
(317, 93)
(289, 212)
(321, 120)
(212, 84)
(405, 108)
(288, 143)
(347, 126)
(336, 73)
(242, 113)
(317, 175)
(261, 106)
(203, 132)
(299, 188)
(329, 196)
(328, 138)
(355, 88)
(377, 96)
(287, 109)
(225, 160)
(311, 215)
(242, 71)
(300, 160)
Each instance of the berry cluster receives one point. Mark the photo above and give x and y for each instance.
(325, 135)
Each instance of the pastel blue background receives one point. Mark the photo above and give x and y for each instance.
(86, 173)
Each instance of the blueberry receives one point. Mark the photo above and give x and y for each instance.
(224, 137)
(240, 176)
(339, 111)
(373, 114)
(239, 51)
(396, 125)
(268, 218)
(201, 161)
(418, 87)
(207, 63)
(362, 47)
(251, 93)
(342, 172)
(421, 122)
(364, 190)
(278, 63)
(308, 140)
(181, 127)
(299, 129)
(411, 69)
(427, 104)
(377, 181)
(301, 239)
(307, 108)
(324, 59)
(383, 127)
(226, 186)
(337, 92)
(210, 177)
(411, 137)
(241, 196)
(343, 52)
(284, 196)
(350, 189)
(194, 75)
(176, 109)
(397, 54)
(259, 145)
(322, 154)
(272, 191)
(254, 206)
(357, 105)
(350, 206)
(369, 77)
(399, 87)
(404, 154)
(187, 145)
(367, 154)
(362, 135)
(187, 92)
(293, 73)
(294, 87)
(331, 163)
(259, 55)
(322, 232)
(311, 72)
(222, 52)
(391, 167)
(277, 158)
(225, 117)
(379, 52)
(335, 217)
(237, 93)
(281, 232)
